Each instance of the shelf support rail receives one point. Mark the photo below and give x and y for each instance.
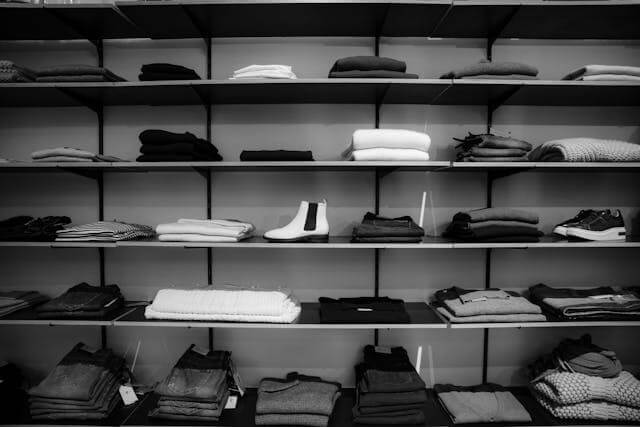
(379, 28)
(497, 31)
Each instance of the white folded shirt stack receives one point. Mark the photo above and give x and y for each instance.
(388, 145)
(230, 305)
(205, 230)
(604, 72)
(273, 71)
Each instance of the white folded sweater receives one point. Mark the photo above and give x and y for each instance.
(241, 305)
(62, 152)
(596, 69)
(211, 227)
(198, 238)
(610, 77)
(264, 72)
(364, 139)
(389, 154)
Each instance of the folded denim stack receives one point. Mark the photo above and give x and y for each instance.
(12, 73)
(227, 305)
(485, 306)
(388, 388)
(298, 400)
(161, 71)
(363, 310)
(486, 69)
(83, 301)
(12, 301)
(197, 388)
(370, 67)
(586, 150)
(276, 156)
(205, 230)
(388, 145)
(494, 225)
(491, 148)
(69, 154)
(83, 386)
(162, 146)
(26, 228)
(14, 401)
(104, 231)
(378, 229)
(604, 72)
(486, 403)
(77, 73)
(587, 382)
(602, 303)
(273, 71)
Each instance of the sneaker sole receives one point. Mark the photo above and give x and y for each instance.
(615, 233)
(560, 230)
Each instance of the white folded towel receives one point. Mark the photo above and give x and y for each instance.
(264, 72)
(389, 154)
(595, 69)
(62, 152)
(389, 138)
(207, 227)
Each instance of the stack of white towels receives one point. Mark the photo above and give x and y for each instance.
(273, 71)
(205, 230)
(388, 145)
(604, 72)
(232, 304)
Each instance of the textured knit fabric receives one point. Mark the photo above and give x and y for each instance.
(464, 302)
(276, 156)
(369, 63)
(310, 420)
(242, 305)
(592, 411)
(595, 70)
(497, 214)
(104, 231)
(363, 310)
(389, 154)
(211, 227)
(586, 150)
(406, 418)
(364, 139)
(485, 67)
(371, 74)
(376, 400)
(10, 72)
(13, 76)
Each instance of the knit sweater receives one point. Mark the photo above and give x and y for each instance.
(590, 411)
(586, 150)
(363, 139)
(485, 67)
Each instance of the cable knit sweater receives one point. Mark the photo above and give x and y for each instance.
(586, 150)
(566, 388)
(590, 411)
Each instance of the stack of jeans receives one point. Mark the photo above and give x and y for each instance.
(164, 146)
(498, 225)
(83, 301)
(602, 303)
(14, 403)
(83, 386)
(104, 231)
(12, 301)
(26, 228)
(389, 390)
(296, 400)
(160, 71)
(378, 229)
(77, 73)
(485, 305)
(363, 310)
(491, 148)
(196, 389)
(370, 67)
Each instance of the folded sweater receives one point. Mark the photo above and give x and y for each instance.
(592, 411)
(389, 154)
(586, 150)
(465, 302)
(595, 69)
(62, 152)
(371, 74)
(364, 139)
(212, 227)
(491, 318)
(485, 67)
(496, 214)
(369, 63)
(78, 70)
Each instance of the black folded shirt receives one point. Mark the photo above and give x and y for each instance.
(363, 310)
(276, 156)
(161, 71)
(26, 228)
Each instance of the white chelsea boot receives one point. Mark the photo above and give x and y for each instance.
(309, 225)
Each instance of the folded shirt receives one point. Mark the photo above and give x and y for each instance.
(364, 139)
(375, 400)
(479, 231)
(163, 137)
(372, 74)
(197, 147)
(490, 318)
(411, 417)
(264, 72)
(276, 156)
(492, 152)
(386, 370)
(369, 63)
(198, 238)
(104, 231)
(470, 302)
(76, 72)
(611, 71)
(586, 150)
(485, 67)
(170, 157)
(389, 154)
(64, 152)
(241, 305)
(376, 226)
(610, 77)
(363, 310)
(27, 228)
(163, 71)
(211, 227)
(491, 141)
(496, 214)
(464, 157)
(486, 403)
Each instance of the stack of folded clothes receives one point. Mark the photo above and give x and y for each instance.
(486, 69)
(498, 225)
(491, 148)
(12, 73)
(83, 386)
(163, 146)
(197, 388)
(227, 305)
(486, 403)
(161, 71)
(104, 231)
(273, 71)
(205, 230)
(83, 301)
(378, 229)
(26, 228)
(69, 154)
(586, 382)
(297, 400)
(586, 150)
(276, 156)
(604, 72)
(12, 301)
(77, 73)
(370, 67)
(603, 303)
(388, 145)
(485, 305)
(14, 401)
(388, 388)
(363, 310)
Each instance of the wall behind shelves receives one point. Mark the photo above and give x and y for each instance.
(271, 199)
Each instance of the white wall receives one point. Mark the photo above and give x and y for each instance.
(269, 199)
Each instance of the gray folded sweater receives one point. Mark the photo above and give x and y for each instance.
(484, 68)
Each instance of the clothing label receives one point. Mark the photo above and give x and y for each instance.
(128, 395)
(232, 402)
(383, 350)
(88, 349)
(236, 378)
(364, 309)
(200, 350)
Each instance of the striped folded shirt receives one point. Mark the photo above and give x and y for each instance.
(104, 231)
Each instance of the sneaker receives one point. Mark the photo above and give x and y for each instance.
(561, 228)
(599, 225)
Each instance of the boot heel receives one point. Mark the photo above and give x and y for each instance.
(318, 239)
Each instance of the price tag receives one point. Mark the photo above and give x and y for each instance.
(128, 395)
(232, 402)
(383, 350)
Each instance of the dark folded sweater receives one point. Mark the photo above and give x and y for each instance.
(195, 157)
(159, 67)
(371, 74)
(276, 156)
(379, 226)
(490, 229)
(163, 137)
(198, 147)
(156, 76)
(66, 71)
(369, 63)
(363, 310)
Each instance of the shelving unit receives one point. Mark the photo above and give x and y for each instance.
(175, 19)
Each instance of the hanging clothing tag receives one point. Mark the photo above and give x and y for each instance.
(236, 378)
(232, 402)
(381, 349)
(128, 395)
(200, 350)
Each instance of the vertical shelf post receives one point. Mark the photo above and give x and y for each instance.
(487, 284)
(207, 43)
(99, 110)
(376, 260)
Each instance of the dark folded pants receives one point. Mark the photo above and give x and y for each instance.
(410, 417)
(198, 147)
(375, 74)
(375, 228)
(276, 156)
(195, 157)
(490, 230)
(363, 310)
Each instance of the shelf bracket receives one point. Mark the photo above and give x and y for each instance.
(202, 171)
(497, 31)
(379, 102)
(203, 33)
(444, 16)
(93, 106)
(385, 170)
(97, 43)
(497, 102)
(379, 28)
